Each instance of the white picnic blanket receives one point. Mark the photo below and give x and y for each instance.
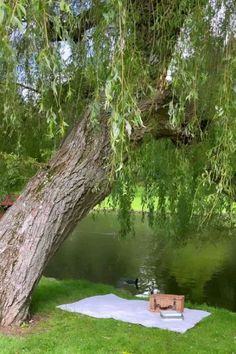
(132, 311)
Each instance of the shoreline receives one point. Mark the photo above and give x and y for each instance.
(55, 331)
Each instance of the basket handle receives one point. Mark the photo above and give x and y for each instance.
(170, 307)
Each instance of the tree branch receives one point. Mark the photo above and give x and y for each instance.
(23, 86)
(156, 120)
(85, 21)
(27, 87)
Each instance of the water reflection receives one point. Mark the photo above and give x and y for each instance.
(201, 270)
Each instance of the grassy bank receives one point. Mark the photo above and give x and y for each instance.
(136, 204)
(60, 332)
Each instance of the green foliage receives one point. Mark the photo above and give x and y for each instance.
(15, 172)
(116, 54)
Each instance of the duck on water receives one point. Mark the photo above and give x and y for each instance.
(125, 282)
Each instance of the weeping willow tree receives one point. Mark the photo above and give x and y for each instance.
(101, 96)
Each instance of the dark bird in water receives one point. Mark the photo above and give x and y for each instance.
(132, 282)
(127, 283)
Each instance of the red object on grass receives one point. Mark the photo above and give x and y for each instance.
(8, 201)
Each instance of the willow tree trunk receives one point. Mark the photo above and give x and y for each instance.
(74, 181)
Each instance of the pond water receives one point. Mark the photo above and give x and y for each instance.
(203, 270)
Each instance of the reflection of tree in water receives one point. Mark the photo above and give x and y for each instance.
(186, 269)
(95, 252)
(202, 271)
(154, 266)
(221, 289)
(98, 258)
(147, 279)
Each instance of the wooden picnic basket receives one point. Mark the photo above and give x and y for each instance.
(160, 302)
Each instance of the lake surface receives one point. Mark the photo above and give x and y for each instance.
(203, 270)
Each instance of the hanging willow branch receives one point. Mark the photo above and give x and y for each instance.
(75, 31)
(114, 56)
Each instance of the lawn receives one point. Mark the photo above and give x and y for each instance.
(136, 203)
(61, 332)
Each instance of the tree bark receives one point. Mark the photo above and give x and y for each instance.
(76, 179)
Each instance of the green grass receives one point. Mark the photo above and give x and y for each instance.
(136, 204)
(66, 333)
